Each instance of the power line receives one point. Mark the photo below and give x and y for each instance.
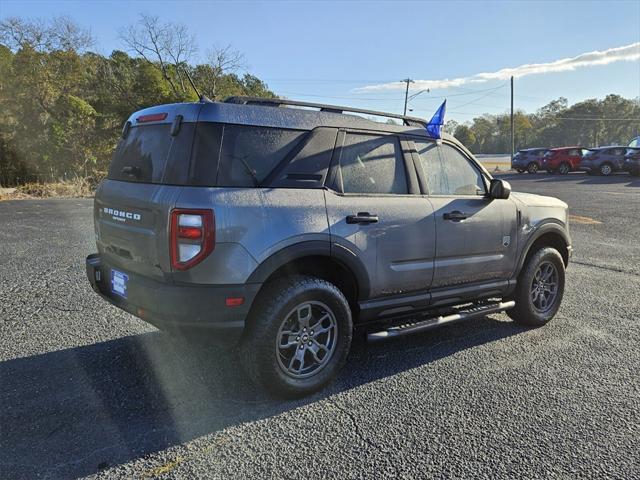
(479, 98)
(388, 99)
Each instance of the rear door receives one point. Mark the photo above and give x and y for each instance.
(475, 235)
(375, 211)
(575, 156)
(131, 207)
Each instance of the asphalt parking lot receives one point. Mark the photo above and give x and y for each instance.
(87, 390)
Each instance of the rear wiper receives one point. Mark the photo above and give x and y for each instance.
(251, 171)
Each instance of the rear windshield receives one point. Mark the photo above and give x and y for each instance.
(219, 155)
(150, 154)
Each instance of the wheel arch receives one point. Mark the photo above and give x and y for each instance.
(548, 235)
(317, 258)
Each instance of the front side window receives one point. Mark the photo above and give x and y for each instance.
(448, 171)
(372, 164)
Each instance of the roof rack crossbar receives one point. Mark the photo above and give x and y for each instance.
(277, 102)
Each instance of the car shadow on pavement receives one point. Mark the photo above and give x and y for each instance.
(73, 412)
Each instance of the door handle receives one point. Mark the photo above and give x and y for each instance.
(362, 217)
(456, 216)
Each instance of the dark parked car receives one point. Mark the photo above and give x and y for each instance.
(562, 160)
(632, 161)
(529, 160)
(603, 160)
(284, 229)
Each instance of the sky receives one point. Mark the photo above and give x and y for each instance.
(355, 53)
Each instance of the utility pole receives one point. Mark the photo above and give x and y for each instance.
(406, 94)
(513, 140)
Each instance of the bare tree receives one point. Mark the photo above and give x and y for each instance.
(223, 61)
(164, 45)
(62, 33)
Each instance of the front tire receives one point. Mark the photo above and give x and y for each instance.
(539, 289)
(564, 169)
(606, 169)
(298, 336)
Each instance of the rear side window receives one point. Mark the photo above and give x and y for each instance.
(248, 154)
(372, 164)
(150, 154)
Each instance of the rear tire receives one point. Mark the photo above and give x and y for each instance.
(298, 336)
(532, 167)
(539, 289)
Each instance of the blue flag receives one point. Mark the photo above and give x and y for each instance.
(436, 122)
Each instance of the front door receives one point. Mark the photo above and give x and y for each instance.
(475, 235)
(375, 211)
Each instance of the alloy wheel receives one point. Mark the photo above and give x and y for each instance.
(306, 339)
(544, 287)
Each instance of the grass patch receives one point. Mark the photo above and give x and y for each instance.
(75, 188)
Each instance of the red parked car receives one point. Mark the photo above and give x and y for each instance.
(563, 160)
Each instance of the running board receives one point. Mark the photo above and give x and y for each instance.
(462, 314)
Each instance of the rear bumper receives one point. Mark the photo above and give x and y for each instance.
(179, 306)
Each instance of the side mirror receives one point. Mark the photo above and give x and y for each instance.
(499, 189)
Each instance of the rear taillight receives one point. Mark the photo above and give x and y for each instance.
(192, 237)
(152, 117)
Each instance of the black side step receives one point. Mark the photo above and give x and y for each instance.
(465, 313)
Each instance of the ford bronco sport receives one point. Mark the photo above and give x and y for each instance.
(284, 225)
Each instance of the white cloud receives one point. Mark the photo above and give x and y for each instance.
(626, 53)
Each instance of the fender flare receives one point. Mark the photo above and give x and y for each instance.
(549, 227)
(314, 248)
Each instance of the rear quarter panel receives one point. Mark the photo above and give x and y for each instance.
(251, 225)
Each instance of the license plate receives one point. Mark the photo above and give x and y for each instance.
(119, 283)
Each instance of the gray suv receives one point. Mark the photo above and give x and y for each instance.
(603, 160)
(529, 160)
(282, 226)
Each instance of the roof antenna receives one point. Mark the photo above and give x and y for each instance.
(202, 98)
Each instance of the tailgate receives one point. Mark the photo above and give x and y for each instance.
(131, 223)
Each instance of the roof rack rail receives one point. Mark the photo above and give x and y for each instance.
(278, 102)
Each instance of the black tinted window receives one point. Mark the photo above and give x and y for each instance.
(249, 153)
(448, 171)
(206, 151)
(150, 154)
(372, 164)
